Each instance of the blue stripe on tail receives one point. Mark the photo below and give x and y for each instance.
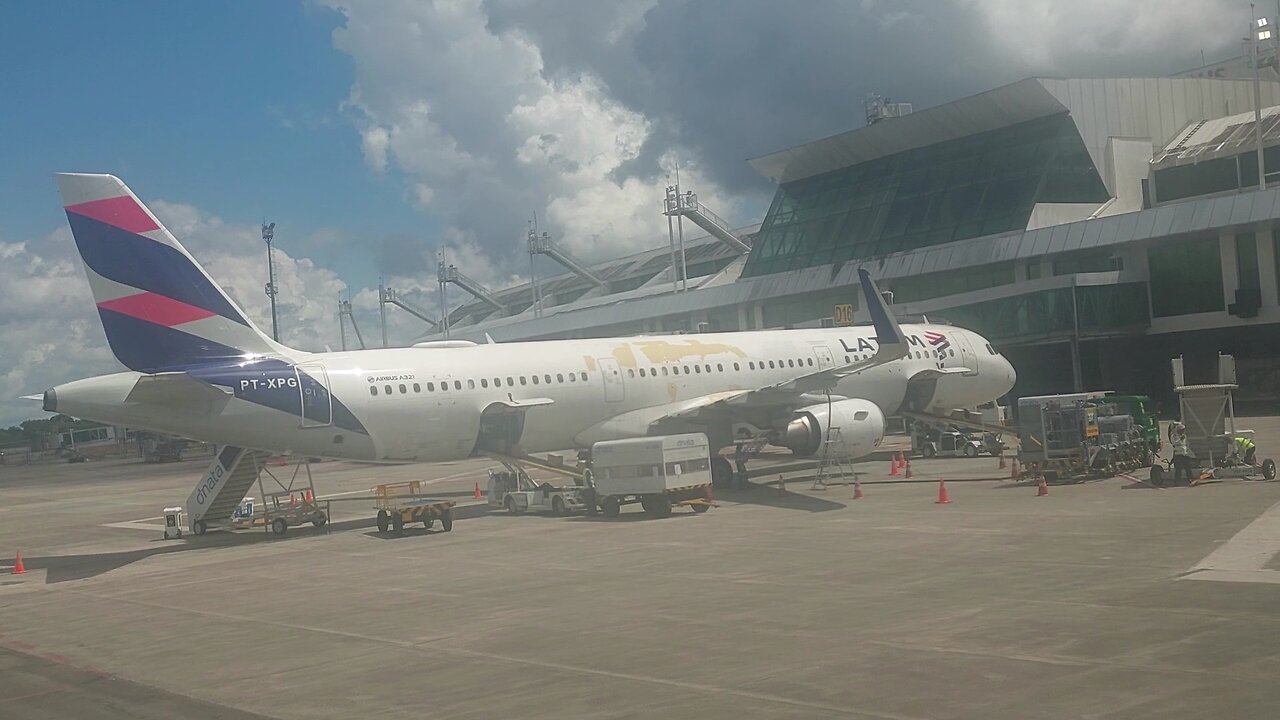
(145, 264)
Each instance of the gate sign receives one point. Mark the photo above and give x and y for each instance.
(842, 315)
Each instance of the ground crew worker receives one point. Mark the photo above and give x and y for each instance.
(740, 464)
(1183, 457)
(1246, 450)
(589, 490)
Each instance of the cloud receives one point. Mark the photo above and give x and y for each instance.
(494, 110)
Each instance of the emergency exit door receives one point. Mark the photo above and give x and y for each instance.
(612, 374)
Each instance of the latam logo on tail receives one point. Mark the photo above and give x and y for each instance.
(937, 340)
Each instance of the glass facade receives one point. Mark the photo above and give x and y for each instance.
(1087, 261)
(963, 188)
(1102, 309)
(1219, 175)
(1247, 261)
(932, 285)
(1186, 277)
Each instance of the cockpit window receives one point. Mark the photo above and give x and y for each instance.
(991, 349)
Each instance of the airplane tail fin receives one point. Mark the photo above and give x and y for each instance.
(160, 310)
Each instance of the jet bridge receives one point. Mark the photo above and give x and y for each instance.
(686, 205)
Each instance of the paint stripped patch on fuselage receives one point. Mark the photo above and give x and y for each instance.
(658, 351)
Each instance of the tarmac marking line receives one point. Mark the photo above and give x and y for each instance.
(1244, 557)
(432, 647)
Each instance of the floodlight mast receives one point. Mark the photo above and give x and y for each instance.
(268, 234)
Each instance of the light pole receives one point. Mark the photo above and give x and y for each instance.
(268, 234)
(1259, 29)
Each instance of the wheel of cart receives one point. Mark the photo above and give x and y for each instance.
(557, 506)
(446, 520)
(511, 505)
(384, 521)
(1268, 469)
(199, 527)
(397, 524)
(658, 506)
(279, 526)
(970, 451)
(610, 507)
(319, 519)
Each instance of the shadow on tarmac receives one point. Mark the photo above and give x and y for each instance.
(768, 496)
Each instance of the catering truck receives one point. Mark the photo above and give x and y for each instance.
(659, 473)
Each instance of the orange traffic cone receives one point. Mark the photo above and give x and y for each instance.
(1042, 489)
(19, 568)
(943, 497)
(857, 490)
(893, 466)
(307, 497)
(477, 494)
(901, 459)
(908, 474)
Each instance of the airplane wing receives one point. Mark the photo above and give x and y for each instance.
(891, 345)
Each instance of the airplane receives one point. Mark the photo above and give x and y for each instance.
(198, 367)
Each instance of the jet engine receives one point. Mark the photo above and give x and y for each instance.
(860, 423)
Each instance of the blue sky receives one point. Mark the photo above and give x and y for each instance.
(233, 107)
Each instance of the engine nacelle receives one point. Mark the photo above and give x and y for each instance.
(860, 421)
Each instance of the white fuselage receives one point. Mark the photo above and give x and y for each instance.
(424, 404)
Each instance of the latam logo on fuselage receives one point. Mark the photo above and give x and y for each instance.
(937, 340)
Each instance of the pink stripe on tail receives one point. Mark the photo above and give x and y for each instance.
(122, 212)
(156, 309)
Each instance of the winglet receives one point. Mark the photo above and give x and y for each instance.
(887, 331)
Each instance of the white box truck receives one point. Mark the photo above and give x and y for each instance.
(658, 472)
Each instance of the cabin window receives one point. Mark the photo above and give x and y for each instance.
(547, 378)
(535, 379)
(471, 384)
(719, 367)
(631, 372)
(387, 389)
(584, 376)
(524, 380)
(810, 362)
(697, 369)
(403, 390)
(846, 360)
(791, 363)
(951, 353)
(457, 384)
(642, 372)
(664, 369)
(751, 365)
(373, 389)
(431, 387)
(770, 364)
(560, 377)
(708, 367)
(573, 377)
(686, 369)
(484, 382)
(735, 367)
(417, 388)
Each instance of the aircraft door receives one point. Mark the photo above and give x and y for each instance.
(316, 408)
(967, 355)
(823, 354)
(614, 390)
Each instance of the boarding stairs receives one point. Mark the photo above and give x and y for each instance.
(224, 484)
(451, 274)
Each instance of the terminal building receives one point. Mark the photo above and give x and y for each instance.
(1091, 228)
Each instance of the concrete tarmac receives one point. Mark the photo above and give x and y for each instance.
(1103, 600)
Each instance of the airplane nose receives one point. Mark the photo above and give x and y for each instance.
(1011, 375)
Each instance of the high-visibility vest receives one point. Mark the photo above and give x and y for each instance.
(1244, 444)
